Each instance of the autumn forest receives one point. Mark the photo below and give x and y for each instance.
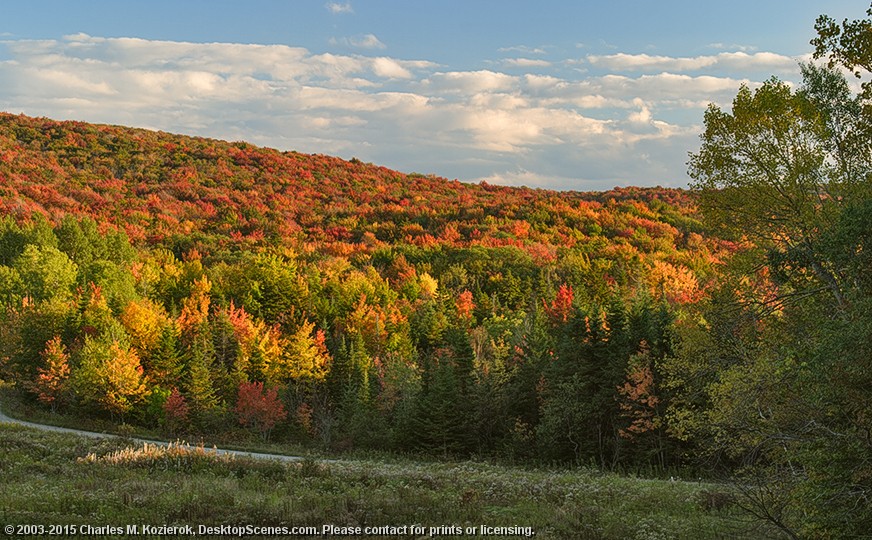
(195, 287)
(165, 277)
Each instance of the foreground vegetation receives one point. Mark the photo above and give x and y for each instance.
(64, 479)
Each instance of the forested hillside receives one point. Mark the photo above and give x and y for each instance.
(148, 273)
(185, 193)
(201, 287)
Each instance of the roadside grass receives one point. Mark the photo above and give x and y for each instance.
(63, 479)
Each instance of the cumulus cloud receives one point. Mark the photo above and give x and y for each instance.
(547, 128)
(469, 82)
(666, 86)
(733, 47)
(508, 131)
(522, 177)
(643, 115)
(367, 41)
(622, 92)
(389, 68)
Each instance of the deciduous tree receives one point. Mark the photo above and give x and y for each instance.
(259, 407)
(109, 376)
(51, 383)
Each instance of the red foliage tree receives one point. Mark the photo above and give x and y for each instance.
(561, 306)
(259, 407)
(176, 411)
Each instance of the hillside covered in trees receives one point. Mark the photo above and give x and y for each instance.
(200, 287)
(147, 274)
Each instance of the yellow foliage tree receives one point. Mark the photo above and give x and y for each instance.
(429, 285)
(144, 321)
(304, 357)
(110, 376)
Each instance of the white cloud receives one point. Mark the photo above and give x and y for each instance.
(389, 68)
(469, 82)
(758, 61)
(526, 62)
(541, 81)
(334, 122)
(522, 177)
(636, 62)
(614, 92)
(367, 41)
(734, 47)
(549, 127)
(337, 8)
(364, 41)
(726, 60)
(642, 116)
(498, 101)
(523, 49)
(516, 130)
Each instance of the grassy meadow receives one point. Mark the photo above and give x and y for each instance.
(62, 479)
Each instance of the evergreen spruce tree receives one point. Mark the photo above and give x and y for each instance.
(200, 380)
(165, 364)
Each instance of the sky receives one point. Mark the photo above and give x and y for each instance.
(582, 95)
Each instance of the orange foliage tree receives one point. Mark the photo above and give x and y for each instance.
(52, 380)
(465, 305)
(638, 397)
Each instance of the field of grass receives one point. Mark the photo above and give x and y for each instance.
(61, 479)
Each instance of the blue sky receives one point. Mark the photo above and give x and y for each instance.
(566, 95)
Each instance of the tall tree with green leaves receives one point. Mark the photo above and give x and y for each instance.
(45, 272)
(788, 172)
(848, 44)
(778, 170)
(200, 375)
